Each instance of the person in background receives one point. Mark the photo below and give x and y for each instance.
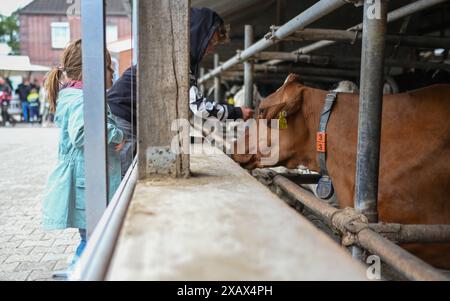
(64, 197)
(9, 82)
(23, 90)
(33, 105)
(207, 31)
(5, 98)
(36, 85)
(44, 109)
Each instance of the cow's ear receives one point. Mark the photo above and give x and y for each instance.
(288, 104)
(292, 78)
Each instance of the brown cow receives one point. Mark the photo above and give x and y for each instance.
(414, 182)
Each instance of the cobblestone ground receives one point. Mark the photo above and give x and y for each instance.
(26, 251)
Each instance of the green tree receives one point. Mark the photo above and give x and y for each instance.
(9, 32)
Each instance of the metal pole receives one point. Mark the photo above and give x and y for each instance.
(248, 68)
(217, 91)
(134, 25)
(404, 234)
(353, 37)
(312, 14)
(94, 89)
(322, 60)
(302, 70)
(392, 17)
(370, 110)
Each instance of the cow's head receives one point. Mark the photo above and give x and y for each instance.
(286, 103)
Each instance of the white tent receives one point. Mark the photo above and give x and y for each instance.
(11, 65)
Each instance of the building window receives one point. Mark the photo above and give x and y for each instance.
(60, 35)
(112, 33)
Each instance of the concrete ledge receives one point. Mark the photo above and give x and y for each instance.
(222, 224)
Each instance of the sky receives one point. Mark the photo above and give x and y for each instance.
(7, 7)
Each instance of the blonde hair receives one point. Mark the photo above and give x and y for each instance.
(71, 67)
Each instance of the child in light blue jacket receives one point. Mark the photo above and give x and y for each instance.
(64, 199)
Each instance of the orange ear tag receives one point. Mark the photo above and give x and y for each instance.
(282, 121)
(322, 142)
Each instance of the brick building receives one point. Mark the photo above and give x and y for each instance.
(47, 26)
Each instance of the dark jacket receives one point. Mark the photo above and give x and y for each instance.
(204, 22)
(122, 95)
(24, 90)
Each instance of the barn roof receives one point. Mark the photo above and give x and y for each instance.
(60, 7)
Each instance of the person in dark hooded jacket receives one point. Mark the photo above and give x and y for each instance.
(207, 30)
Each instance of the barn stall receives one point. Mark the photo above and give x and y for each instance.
(202, 217)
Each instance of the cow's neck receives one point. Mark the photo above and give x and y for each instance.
(313, 102)
(341, 135)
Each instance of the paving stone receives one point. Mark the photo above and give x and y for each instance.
(61, 265)
(50, 250)
(31, 266)
(60, 242)
(54, 257)
(26, 258)
(10, 244)
(27, 252)
(71, 249)
(12, 251)
(3, 258)
(5, 238)
(9, 267)
(40, 276)
(38, 243)
(31, 237)
(14, 276)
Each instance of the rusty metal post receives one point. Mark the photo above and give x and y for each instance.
(248, 68)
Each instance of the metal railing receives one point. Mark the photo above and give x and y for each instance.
(315, 12)
(96, 258)
(356, 230)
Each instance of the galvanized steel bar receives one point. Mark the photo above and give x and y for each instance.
(405, 263)
(404, 234)
(315, 12)
(392, 17)
(97, 256)
(409, 265)
(370, 109)
(248, 68)
(354, 36)
(94, 89)
(322, 60)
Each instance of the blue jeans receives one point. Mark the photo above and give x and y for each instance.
(25, 108)
(34, 113)
(83, 241)
(129, 148)
(66, 274)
